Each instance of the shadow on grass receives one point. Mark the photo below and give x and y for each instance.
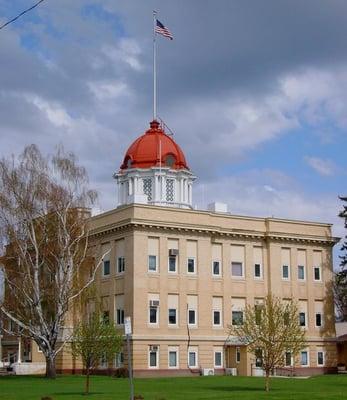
(235, 389)
(90, 394)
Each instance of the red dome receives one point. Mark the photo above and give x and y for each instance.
(145, 151)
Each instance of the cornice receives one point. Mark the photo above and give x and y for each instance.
(214, 231)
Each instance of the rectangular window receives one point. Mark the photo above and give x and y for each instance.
(172, 264)
(191, 265)
(302, 319)
(216, 318)
(120, 265)
(192, 358)
(153, 315)
(258, 262)
(103, 361)
(304, 358)
(217, 308)
(119, 306)
(106, 317)
(192, 304)
(316, 273)
(152, 263)
(237, 317)
(216, 250)
(257, 271)
(191, 317)
(258, 308)
(237, 269)
(119, 360)
(238, 355)
(120, 316)
(173, 357)
(106, 268)
(320, 358)
(172, 316)
(192, 254)
(258, 358)
(301, 272)
(318, 319)
(216, 270)
(153, 356)
(237, 308)
(317, 266)
(218, 358)
(288, 359)
(285, 271)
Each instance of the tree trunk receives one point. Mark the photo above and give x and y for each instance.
(87, 382)
(267, 380)
(50, 367)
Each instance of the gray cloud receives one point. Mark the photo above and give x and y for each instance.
(237, 75)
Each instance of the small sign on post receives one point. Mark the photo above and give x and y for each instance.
(127, 331)
(127, 325)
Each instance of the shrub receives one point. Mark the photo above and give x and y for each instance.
(121, 373)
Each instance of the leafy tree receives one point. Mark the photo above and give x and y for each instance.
(271, 330)
(340, 281)
(93, 339)
(44, 207)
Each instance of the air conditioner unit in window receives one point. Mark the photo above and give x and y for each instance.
(207, 371)
(153, 348)
(173, 252)
(154, 303)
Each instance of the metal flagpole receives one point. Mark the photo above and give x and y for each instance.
(160, 176)
(154, 67)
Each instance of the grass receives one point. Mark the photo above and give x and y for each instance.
(327, 387)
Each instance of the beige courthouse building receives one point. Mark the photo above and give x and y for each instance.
(184, 275)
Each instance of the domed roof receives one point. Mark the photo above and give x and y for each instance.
(145, 151)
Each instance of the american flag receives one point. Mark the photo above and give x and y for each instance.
(162, 30)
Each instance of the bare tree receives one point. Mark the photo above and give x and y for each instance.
(44, 206)
(271, 330)
(95, 339)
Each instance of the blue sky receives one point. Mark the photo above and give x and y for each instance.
(256, 93)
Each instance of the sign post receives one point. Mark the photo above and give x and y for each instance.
(127, 330)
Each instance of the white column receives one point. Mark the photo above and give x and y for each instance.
(185, 191)
(176, 194)
(118, 190)
(122, 192)
(156, 188)
(190, 200)
(131, 186)
(163, 186)
(181, 191)
(136, 185)
(19, 358)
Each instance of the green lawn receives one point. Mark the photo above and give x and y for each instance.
(326, 387)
